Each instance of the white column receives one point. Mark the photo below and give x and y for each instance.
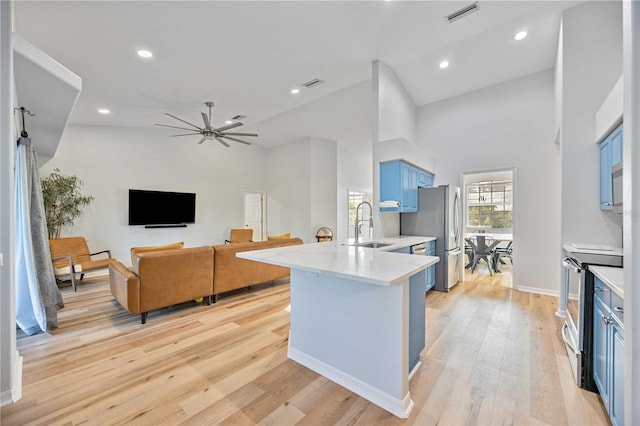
(10, 361)
(631, 220)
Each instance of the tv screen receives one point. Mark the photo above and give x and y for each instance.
(161, 208)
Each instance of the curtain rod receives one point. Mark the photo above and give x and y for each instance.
(22, 110)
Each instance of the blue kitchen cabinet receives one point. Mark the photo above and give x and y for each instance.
(615, 141)
(403, 250)
(608, 350)
(425, 179)
(431, 270)
(616, 406)
(409, 198)
(611, 153)
(399, 181)
(600, 340)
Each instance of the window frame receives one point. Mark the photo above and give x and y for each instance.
(503, 203)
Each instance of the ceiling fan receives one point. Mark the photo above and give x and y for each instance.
(208, 132)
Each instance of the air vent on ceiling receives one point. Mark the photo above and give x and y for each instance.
(473, 7)
(239, 117)
(313, 83)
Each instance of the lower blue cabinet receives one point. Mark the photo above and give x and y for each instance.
(608, 351)
(616, 406)
(600, 340)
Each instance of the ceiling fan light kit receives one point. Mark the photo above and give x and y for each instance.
(208, 132)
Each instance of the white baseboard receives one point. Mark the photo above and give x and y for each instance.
(415, 369)
(398, 407)
(546, 292)
(12, 395)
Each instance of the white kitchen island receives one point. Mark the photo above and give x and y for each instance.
(350, 318)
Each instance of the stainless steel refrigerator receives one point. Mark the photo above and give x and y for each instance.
(439, 216)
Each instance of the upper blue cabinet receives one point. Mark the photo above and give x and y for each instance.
(610, 154)
(399, 181)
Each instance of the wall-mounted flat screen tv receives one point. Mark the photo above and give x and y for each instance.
(161, 208)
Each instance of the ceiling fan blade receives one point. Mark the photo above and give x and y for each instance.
(222, 142)
(207, 121)
(230, 126)
(236, 140)
(174, 127)
(202, 140)
(180, 119)
(240, 134)
(185, 134)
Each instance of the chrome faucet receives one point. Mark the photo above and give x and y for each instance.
(358, 224)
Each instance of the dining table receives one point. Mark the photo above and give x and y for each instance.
(497, 239)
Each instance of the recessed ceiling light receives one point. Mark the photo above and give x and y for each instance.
(444, 64)
(144, 53)
(520, 35)
(295, 91)
(228, 122)
(104, 111)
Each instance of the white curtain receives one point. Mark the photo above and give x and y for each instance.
(37, 295)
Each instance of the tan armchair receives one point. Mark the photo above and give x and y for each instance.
(240, 235)
(71, 256)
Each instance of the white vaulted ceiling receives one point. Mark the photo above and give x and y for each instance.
(246, 56)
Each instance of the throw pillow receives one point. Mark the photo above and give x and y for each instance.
(286, 236)
(137, 250)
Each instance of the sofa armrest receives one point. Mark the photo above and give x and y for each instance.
(100, 252)
(125, 286)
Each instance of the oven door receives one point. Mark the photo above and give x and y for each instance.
(572, 330)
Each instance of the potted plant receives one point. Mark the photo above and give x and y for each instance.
(63, 201)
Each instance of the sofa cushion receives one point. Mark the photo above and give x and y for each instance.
(232, 272)
(138, 250)
(280, 237)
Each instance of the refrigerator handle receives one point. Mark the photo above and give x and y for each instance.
(456, 217)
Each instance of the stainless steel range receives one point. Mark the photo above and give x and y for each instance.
(576, 304)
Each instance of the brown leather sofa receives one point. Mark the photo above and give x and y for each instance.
(162, 278)
(159, 279)
(231, 272)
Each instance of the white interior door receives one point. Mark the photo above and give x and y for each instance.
(253, 213)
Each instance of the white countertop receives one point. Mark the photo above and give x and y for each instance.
(397, 242)
(592, 249)
(375, 266)
(612, 277)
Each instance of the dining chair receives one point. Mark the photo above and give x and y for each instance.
(240, 235)
(469, 250)
(502, 251)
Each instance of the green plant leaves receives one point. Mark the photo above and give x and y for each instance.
(63, 201)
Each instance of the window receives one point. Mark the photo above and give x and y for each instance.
(490, 204)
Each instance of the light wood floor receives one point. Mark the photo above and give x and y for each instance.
(482, 276)
(493, 356)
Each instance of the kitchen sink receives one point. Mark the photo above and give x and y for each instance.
(371, 244)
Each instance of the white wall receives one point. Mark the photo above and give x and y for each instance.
(303, 182)
(504, 126)
(323, 190)
(631, 178)
(394, 118)
(354, 173)
(396, 111)
(111, 161)
(591, 65)
(10, 371)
